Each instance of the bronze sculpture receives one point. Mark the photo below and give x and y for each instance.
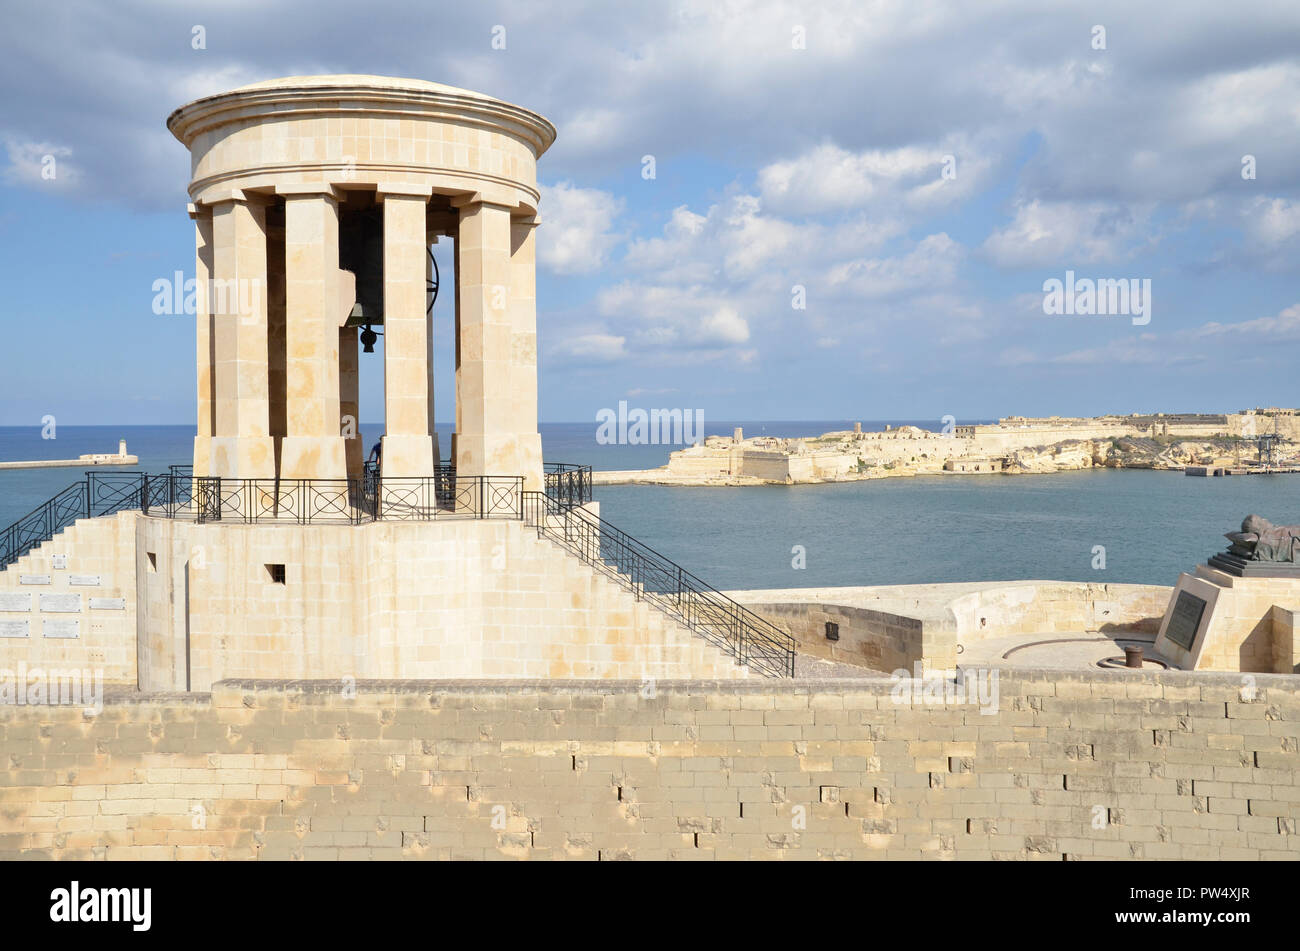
(1261, 540)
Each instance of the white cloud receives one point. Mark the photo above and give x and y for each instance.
(723, 326)
(829, 178)
(577, 223)
(1125, 351)
(1064, 234)
(667, 317)
(1272, 221)
(38, 163)
(932, 263)
(593, 348)
(734, 239)
(1285, 326)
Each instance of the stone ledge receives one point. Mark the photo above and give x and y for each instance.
(1182, 678)
(231, 692)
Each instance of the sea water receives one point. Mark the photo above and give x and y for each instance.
(1103, 525)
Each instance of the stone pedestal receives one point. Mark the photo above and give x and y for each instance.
(1245, 624)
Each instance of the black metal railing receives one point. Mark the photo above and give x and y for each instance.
(444, 475)
(566, 483)
(179, 494)
(95, 495)
(332, 501)
(750, 639)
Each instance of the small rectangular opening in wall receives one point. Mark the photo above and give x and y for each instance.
(276, 573)
(153, 561)
(832, 631)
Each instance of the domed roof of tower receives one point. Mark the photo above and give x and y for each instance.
(358, 79)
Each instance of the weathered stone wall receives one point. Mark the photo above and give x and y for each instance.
(87, 572)
(893, 626)
(454, 598)
(1123, 764)
(868, 638)
(1034, 607)
(389, 599)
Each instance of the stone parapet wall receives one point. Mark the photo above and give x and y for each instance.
(1050, 607)
(895, 626)
(1094, 765)
(877, 639)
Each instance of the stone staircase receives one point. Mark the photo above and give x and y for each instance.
(652, 644)
(750, 640)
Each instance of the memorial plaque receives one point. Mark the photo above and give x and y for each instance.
(59, 561)
(33, 579)
(84, 581)
(62, 627)
(108, 604)
(15, 628)
(1185, 619)
(61, 603)
(15, 601)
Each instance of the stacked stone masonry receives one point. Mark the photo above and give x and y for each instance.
(71, 601)
(1096, 765)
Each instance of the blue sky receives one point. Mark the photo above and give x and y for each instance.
(776, 165)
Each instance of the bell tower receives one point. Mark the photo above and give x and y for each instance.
(317, 201)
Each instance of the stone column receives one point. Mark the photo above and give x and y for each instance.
(407, 449)
(350, 401)
(313, 446)
(486, 434)
(523, 350)
(241, 445)
(203, 337)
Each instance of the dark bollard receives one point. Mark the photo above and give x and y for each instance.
(1133, 657)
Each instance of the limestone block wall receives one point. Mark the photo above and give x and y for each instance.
(879, 640)
(893, 626)
(1287, 425)
(70, 602)
(1201, 430)
(704, 463)
(1176, 765)
(776, 466)
(994, 440)
(451, 598)
(1056, 606)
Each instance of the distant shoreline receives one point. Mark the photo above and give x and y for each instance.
(663, 477)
